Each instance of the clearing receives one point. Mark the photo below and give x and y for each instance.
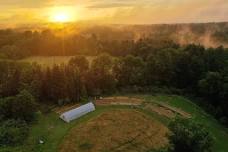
(123, 123)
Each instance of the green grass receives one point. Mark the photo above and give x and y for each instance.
(53, 130)
(219, 133)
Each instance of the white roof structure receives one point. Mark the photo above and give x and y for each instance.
(77, 112)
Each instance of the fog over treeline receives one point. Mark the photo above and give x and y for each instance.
(117, 40)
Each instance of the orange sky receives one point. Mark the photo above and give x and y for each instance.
(114, 11)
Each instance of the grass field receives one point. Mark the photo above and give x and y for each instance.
(49, 61)
(56, 134)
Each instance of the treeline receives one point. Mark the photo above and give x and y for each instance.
(114, 40)
(191, 69)
(18, 45)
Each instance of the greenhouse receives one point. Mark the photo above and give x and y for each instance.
(77, 112)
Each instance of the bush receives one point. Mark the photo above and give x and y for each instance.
(13, 132)
(20, 107)
(188, 136)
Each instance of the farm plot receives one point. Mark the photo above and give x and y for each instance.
(166, 110)
(117, 130)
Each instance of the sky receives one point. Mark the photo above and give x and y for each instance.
(115, 11)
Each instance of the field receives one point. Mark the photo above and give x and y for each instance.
(116, 130)
(126, 125)
(50, 61)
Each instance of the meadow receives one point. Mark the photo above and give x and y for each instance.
(49, 61)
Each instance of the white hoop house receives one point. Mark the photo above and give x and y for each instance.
(77, 112)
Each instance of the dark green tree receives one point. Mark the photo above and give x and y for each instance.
(188, 136)
(101, 74)
(211, 87)
(21, 106)
(129, 71)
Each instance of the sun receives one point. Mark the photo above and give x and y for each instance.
(61, 15)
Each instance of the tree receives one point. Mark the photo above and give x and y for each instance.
(101, 74)
(75, 84)
(190, 67)
(129, 71)
(13, 132)
(81, 62)
(161, 67)
(211, 86)
(21, 106)
(31, 79)
(58, 83)
(46, 85)
(188, 136)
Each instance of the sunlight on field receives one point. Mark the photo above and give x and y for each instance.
(50, 61)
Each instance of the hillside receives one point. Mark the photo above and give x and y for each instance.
(137, 121)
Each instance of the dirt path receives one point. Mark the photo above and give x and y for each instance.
(120, 100)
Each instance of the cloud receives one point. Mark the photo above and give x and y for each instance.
(121, 11)
(105, 5)
(102, 4)
(24, 3)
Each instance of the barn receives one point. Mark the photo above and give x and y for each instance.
(77, 112)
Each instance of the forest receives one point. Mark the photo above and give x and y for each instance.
(116, 40)
(150, 64)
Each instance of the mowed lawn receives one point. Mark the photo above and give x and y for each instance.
(55, 133)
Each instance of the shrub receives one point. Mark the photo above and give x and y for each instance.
(20, 107)
(13, 132)
(188, 136)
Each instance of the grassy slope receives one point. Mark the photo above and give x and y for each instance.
(52, 130)
(219, 133)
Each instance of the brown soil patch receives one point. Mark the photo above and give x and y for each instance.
(161, 110)
(117, 130)
(119, 101)
(167, 110)
(176, 110)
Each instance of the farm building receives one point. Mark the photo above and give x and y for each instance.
(77, 112)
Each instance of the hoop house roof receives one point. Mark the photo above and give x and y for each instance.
(77, 112)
